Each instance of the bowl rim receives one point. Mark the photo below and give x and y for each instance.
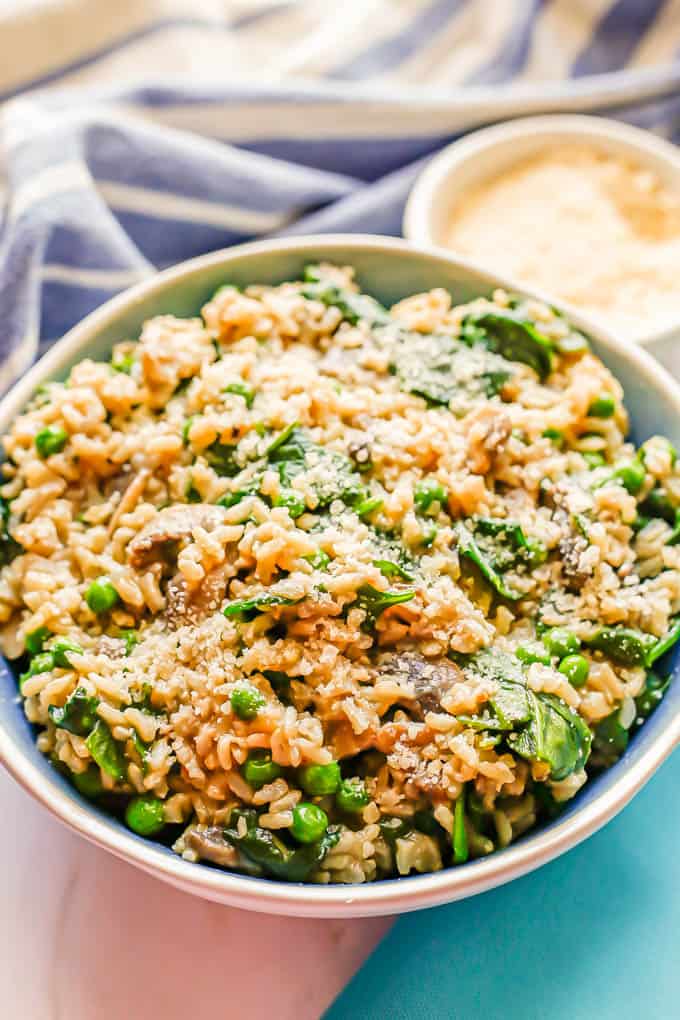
(379, 898)
(434, 179)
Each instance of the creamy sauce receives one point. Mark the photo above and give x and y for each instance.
(591, 228)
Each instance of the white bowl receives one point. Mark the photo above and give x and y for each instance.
(390, 269)
(487, 153)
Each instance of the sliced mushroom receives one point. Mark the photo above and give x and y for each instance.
(186, 606)
(429, 679)
(170, 525)
(209, 844)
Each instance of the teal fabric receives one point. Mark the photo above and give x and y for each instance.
(592, 936)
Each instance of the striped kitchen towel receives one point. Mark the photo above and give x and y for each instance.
(141, 133)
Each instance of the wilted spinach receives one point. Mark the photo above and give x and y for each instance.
(270, 856)
(78, 715)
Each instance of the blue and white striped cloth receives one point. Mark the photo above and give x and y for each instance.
(138, 134)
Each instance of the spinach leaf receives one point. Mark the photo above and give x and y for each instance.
(78, 715)
(539, 726)
(353, 305)
(554, 735)
(9, 547)
(651, 697)
(106, 752)
(631, 647)
(375, 602)
(441, 370)
(469, 548)
(389, 569)
(512, 336)
(247, 609)
(270, 854)
(505, 543)
(220, 457)
(332, 475)
(241, 390)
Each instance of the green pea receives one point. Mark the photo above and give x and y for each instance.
(259, 769)
(41, 663)
(246, 701)
(320, 779)
(593, 459)
(51, 439)
(145, 815)
(631, 476)
(603, 407)
(89, 782)
(351, 795)
(36, 639)
(60, 650)
(101, 596)
(555, 435)
(575, 668)
(561, 642)
(533, 654)
(309, 823)
(123, 363)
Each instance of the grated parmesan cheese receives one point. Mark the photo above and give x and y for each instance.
(593, 229)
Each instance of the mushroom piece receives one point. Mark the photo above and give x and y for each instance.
(429, 679)
(170, 525)
(185, 606)
(209, 844)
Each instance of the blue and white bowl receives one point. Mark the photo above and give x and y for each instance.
(390, 269)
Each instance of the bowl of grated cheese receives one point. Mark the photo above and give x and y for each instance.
(583, 208)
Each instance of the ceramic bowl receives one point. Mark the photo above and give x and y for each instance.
(390, 269)
(487, 153)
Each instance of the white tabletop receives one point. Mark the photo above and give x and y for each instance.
(87, 937)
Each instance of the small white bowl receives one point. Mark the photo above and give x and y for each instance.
(486, 153)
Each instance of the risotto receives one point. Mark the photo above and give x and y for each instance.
(315, 590)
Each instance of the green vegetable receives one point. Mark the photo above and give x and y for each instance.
(375, 602)
(89, 782)
(603, 407)
(78, 715)
(443, 371)
(247, 609)
(145, 815)
(281, 439)
(221, 458)
(41, 663)
(101, 596)
(52, 439)
(532, 654)
(9, 547)
(650, 698)
(555, 435)
(241, 390)
(631, 475)
(61, 648)
(294, 503)
(259, 769)
(130, 637)
(468, 547)
(365, 507)
(539, 726)
(106, 752)
(320, 780)
(665, 643)
(610, 739)
(35, 640)
(319, 560)
(279, 681)
(246, 701)
(392, 829)
(575, 668)
(555, 735)
(593, 459)
(513, 337)
(352, 305)
(186, 429)
(389, 569)
(673, 453)
(657, 503)
(332, 473)
(428, 492)
(624, 645)
(141, 748)
(123, 363)
(269, 855)
(309, 823)
(351, 795)
(561, 642)
(460, 841)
